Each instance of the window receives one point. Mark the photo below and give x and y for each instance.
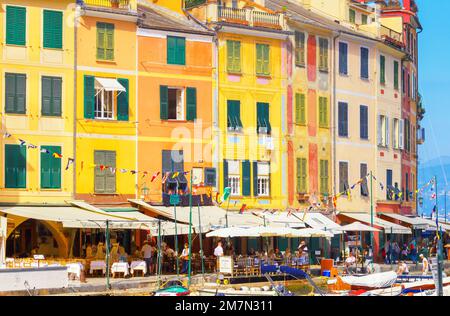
(383, 131)
(262, 59)
(234, 115)
(262, 118)
(363, 122)
(172, 161)
(234, 177)
(300, 49)
(176, 50)
(300, 109)
(50, 168)
(16, 25)
(323, 176)
(343, 176)
(382, 70)
(407, 186)
(343, 58)
(234, 56)
(51, 96)
(363, 176)
(401, 133)
(407, 132)
(396, 75)
(210, 177)
(15, 93)
(395, 134)
(323, 54)
(261, 172)
(352, 16)
(343, 119)
(105, 41)
(104, 104)
(53, 29)
(323, 112)
(301, 175)
(364, 63)
(15, 166)
(403, 80)
(389, 187)
(173, 100)
(105, 176)
(363, 19)
(408, 85)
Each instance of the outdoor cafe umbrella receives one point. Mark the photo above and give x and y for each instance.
(309, 232)
(232, 232)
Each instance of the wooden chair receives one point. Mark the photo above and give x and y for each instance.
(240, 267)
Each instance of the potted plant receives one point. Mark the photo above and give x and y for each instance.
(115, 3)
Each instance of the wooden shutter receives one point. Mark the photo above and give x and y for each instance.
(324, 176)
(230, 55)
(255, 178)
(259, 59)
(297, 109)
(323, 112)
(89, 97)
(387, 131)
(123, 101)
(401, 131)
(46, 169)
(237, 56)
(56, 96)
(55, 168)
(181, 51)
(343, 119)
(99, 175)
(396, 75)
(15, 166)
(363, 174)
(164, 102)
(382, 69)
(299, 181)
(191, 104)
(15, 25)
(10, 93)
(262, 116)
(50, 168)
(109, 45)
(101, 41)
(20, 93)
(53, 29)
(246, 184)
(225, 173)
(303, 174)
(363, 122)
(343, 50)
(110, 179)
(47, 87)
(266, 60)
(171, 53)
(364, 63)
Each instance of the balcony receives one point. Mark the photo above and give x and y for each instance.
(392, 37)
(250, 17)
(420, 136)
(124, 5)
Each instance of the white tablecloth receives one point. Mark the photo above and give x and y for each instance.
(120, 267)
(98, 265)
(75, 268)
(138, 265)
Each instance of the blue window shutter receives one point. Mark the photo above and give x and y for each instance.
(363, 122)
(123, 101)
(343, 50)
(246, 190)
(343, 119)
(364, 63)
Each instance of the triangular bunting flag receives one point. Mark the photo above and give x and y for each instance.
(45, 151)
(155, 175)
(7, 135)
(22, 142)
(244, 206)
(69, 162)
(56, 155)
(32, 146)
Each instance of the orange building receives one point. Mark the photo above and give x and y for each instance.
(175, 117)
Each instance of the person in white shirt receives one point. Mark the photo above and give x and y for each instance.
(147, 252)
(218, 252)
(425, 264)
(402, 268)
(185, 258)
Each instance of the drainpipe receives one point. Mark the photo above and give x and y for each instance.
(75, 71)
(216, 124)
(333, 112)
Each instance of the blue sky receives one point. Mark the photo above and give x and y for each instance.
(434, 78)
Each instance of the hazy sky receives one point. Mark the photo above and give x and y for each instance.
(434, 77)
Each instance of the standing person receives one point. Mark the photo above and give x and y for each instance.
(413, 250)
(387, 249)
(396, 250)
(303, 252)
(425, 264)
(147, 252)
(185, 257)
(218, 252)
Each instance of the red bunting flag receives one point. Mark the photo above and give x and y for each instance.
(102, 167)
(243, 208)
(155, 176)
(56, 155)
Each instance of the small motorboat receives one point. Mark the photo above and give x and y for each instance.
(370, 282)
(174, 287)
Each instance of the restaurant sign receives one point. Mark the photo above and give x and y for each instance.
(226, 264)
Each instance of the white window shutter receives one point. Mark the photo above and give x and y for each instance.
(401, 133)
(387, 131)
(379, 130)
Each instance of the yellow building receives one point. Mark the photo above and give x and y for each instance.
(249, 113)
(36, 80)
(106, 112)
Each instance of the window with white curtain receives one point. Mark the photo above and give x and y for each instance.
(234, 177)
(263, 181)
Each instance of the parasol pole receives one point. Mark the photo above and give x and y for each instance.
(201, 242)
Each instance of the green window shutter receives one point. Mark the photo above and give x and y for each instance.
(263, 116)
(89, 97)
(324, 176)
(176, 50)
(109, 44)
(396, 75)
(230, 56)
(237, 56)
(110, 181)
(299, 177)
(15, 25)
(259, 59)
(50, 168)
(57, 96)
(15, 166)
(163, 102)
(99, 175)
(225, 174)
(101, 40)
(234, 114)
(191, 104)
(304, 174)
(323, 112)
(46, 95)
(255, 178)
(266, 60)
(181, 50)
(123, 101)
(53, 24)
(297, 108)
(171, 47)
(246, 184)
(20, 93)
(10, 93)
(382, 69)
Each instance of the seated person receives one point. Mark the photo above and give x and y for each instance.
(89, 253)
(278, 254)
(100, 255)
(114, 255)
(402, 268)
(350, 262)
(123, 256)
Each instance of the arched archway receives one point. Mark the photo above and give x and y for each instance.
(53, 227)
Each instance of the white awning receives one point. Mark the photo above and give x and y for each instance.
(415, 222)
(279, 218)
(432, 224)
(320, 221)
(109, 84)
(153, 210)
(387, 226)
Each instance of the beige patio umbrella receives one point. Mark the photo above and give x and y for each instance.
(309, 232)
(232, 232)
(357, 227)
